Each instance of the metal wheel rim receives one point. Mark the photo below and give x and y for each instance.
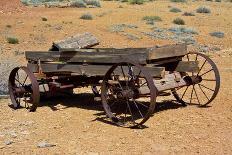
(35, 95)
(217, 81)
(153, 94)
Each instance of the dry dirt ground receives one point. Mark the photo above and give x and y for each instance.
(75, 126)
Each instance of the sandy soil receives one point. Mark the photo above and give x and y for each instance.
(77, 126)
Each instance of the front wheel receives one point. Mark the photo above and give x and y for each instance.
(121, 97)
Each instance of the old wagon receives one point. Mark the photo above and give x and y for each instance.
(130, 79)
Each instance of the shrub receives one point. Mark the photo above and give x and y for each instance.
(78, 4)
(179, 21)
(175, 10)
(203, 9)
(152, 18)
(44, 19)
(180, 29)
(93, 3)
(188, 14)
(139, 2)
(217, 34)
(8, 26)
(12, 40)
(86, 16)
(218, 1)
(178, 1)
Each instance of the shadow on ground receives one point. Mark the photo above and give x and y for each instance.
(89, 102)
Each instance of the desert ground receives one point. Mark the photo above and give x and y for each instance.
(75, 125)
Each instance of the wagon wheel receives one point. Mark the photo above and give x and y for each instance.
(96, 91)
(23, 89)
(203, 92)
(121, 97)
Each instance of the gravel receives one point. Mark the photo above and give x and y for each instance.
(6, 65)
(178, 33)
(45, 144)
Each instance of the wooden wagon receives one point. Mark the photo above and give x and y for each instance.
(130, 79)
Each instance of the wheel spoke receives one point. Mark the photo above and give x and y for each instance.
(124, 120)
(118, 81)
(201, 67)
(196, 94)
(209, 79)
(143, 105)
(203, 92)
(18, 82)
(184, 92)
(206, 87)
(143, 84)
(207, 72)
(191, 96)
(130, 111)
(138, 108)
(25, 80)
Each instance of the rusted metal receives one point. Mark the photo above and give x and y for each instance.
(126, 95)
(198, 82)
(23, 89)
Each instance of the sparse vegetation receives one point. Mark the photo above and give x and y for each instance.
(8, 26)
(93, 3)
(175, 10)
(152, 19)
(179, 1)
(179, 21)
(139, 2)
(181, 29)
(217, 34)
(203, 9)
(12, 40)
(44, 19)
(188, 14)
(86, 16)
(78, 4)
(121, 27)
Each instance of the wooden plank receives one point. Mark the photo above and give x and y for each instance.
(85, 57)
(169, 82)
(167, 51)
(110, 50)
(89, 70)
(187, 66)
(84, 40)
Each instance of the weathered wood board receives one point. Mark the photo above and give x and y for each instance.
(110, 55)
(78, 41)
(86, 57)
(187, 66)
(89, 70)
(167, 51)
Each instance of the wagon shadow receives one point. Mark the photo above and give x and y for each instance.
(89, 102)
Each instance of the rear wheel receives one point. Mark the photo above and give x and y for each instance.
(23, 89)
(206, 90)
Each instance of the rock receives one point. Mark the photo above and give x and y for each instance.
(45, 144)
(217, 34)
(8, 142)
(2, 147)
